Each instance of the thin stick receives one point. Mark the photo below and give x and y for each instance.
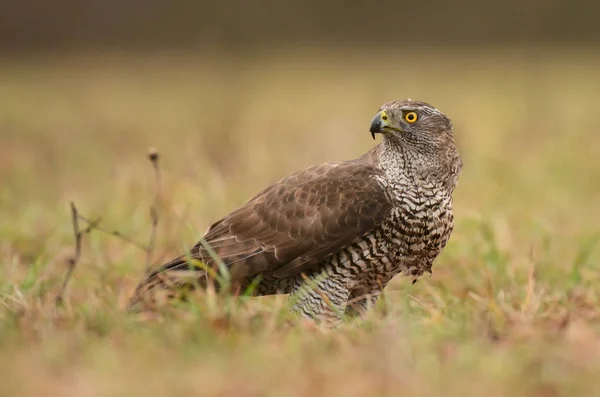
(153, 157)
(72, 261)
(94, 225)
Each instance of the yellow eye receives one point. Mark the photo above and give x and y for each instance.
(411, 117)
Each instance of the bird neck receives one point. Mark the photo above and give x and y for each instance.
(420, 165)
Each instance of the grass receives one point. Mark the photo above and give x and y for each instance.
(511, 307)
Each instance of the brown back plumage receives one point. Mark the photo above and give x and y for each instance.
(294, 224)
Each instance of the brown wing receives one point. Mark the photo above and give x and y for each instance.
(294, 224)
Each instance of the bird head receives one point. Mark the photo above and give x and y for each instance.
(423, 132)
(411, 121)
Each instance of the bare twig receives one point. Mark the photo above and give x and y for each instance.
(95, 225)
(72, 261)
(92, 224)
(153, 157)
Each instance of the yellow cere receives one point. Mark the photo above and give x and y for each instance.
(383, 115)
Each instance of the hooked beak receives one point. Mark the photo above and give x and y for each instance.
(379, 122)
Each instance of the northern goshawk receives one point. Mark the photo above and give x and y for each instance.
(333, 235)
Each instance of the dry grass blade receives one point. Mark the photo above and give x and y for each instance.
(95, 225)
(153, 157)
(72, 261)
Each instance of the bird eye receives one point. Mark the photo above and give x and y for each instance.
(411, 117)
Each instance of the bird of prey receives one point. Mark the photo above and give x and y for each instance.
(334, 234)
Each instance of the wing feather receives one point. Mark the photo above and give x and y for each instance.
(294, 224)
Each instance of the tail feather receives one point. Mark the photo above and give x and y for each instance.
(176, 275)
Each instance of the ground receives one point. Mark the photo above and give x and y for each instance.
(511, 307)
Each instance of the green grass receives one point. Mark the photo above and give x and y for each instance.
(511, 307)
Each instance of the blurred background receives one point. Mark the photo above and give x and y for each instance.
(236, 94)
(245, 27)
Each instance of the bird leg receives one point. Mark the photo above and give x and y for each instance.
(365, 295)
(360, 302)
(321, 296)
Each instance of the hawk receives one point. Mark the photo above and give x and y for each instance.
(334, 234)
